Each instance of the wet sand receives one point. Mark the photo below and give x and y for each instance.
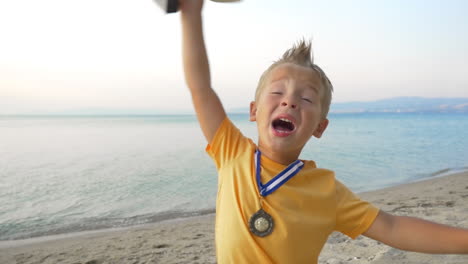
(191, 240)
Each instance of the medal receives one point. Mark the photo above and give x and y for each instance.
(261, 223)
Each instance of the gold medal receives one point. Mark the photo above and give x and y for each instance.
(261, 223)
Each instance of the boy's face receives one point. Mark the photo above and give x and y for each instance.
(288, 110)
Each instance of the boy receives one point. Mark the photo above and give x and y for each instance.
(267, 211)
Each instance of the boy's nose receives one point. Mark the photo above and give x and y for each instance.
(292, 105)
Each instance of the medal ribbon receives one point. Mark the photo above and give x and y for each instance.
(278, 180)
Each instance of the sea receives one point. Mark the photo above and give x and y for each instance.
(66, 174)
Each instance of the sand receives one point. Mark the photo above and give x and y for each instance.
(191, 240)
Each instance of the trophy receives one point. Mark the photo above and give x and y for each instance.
(171, 6)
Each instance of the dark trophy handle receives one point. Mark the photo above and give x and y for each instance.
(168, 6)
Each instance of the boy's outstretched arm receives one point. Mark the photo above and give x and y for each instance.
(210, 112)
(413, 234)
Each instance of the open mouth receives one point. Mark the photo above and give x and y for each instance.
(283, 126)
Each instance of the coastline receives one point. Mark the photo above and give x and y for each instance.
(443, 199)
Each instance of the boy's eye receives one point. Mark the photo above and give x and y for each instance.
(276, 93)
(307, 100)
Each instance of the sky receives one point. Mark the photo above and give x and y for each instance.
(58, 56)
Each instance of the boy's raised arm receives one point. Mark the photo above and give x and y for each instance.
(210, 112)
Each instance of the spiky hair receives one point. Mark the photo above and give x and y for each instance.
(301, 54)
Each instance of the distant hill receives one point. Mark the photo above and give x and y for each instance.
(395, 105)
(391, 105)
(404, 105)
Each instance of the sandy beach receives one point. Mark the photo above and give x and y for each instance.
(191, 240)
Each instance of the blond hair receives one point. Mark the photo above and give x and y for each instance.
(301, 54)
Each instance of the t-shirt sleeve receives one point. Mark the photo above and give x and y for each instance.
(353, 216)
(227, 143)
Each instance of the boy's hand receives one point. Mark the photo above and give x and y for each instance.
(190, 6)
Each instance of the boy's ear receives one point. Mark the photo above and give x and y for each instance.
(321, 128)
(253, 111)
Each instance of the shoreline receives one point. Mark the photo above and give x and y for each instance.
(443, 199)
(4, 244)
(142, 220)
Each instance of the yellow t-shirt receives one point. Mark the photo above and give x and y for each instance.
(305, 210)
